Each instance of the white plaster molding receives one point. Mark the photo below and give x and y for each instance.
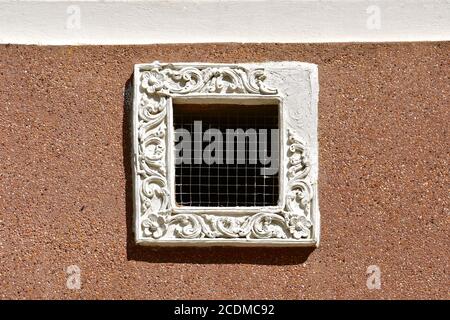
(60, 22)
(158, 219)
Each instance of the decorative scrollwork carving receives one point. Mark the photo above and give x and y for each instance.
(300, 192)
(157, 220)
(164, 79)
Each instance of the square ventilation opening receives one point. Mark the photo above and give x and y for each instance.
(226, 155)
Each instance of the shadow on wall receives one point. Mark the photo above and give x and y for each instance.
(201, 255)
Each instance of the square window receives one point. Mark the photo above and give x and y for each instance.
(229, 135)
(226, 154)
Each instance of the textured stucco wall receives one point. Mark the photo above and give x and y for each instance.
(65, 193)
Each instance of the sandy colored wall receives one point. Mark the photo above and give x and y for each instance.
(65, 193)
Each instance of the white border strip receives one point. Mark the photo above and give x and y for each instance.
(202, 21)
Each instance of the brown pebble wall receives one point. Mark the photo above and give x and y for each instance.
(65, 193)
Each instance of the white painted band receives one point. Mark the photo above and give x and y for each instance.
(200, 21)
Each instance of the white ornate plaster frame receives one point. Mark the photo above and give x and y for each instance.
(158, 220)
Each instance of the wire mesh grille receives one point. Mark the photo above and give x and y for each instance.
(225, 184)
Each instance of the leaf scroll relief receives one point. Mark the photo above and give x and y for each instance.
(156, 219)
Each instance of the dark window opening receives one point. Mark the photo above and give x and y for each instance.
(236, 181)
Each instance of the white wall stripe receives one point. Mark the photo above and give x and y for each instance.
(57, 22)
